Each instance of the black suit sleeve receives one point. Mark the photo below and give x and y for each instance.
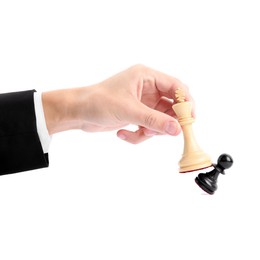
(20, 146)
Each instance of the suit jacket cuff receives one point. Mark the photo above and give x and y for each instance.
(20, 147)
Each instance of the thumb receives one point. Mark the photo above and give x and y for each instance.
(155, 120)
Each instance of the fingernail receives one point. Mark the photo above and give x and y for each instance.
(172, 128)
(121, 136)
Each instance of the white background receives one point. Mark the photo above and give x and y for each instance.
(102, 198)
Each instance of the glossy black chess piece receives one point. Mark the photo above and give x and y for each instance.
(208, 181)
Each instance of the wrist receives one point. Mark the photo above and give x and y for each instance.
(61, 110)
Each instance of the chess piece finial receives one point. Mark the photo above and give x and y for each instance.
(208, 181)
(180, 95)
(193, 158)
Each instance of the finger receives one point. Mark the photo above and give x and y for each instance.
(191, 99)
(167, 85)
(133, 137)
(153, 119)
(165, 105)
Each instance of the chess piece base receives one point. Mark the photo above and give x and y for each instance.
(194, 161)
(206, 184)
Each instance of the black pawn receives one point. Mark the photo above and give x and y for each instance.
(208, 181)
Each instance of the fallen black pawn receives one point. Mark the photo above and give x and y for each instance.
(208, 181)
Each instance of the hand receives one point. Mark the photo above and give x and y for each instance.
(138, 95)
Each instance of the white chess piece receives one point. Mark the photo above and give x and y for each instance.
(193, 158)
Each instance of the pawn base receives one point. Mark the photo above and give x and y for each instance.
(206, 183)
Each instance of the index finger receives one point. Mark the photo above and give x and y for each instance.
(167, 85)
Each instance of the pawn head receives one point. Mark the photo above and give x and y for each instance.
(225, 161)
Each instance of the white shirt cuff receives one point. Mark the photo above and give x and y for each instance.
(42, 130)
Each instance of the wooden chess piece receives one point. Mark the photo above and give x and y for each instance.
(193, 158)
(208, 181)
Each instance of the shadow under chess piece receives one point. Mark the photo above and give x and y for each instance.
(193, 157)
(208, 181)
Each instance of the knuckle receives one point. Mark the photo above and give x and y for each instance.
(137, 68)
(150, 121)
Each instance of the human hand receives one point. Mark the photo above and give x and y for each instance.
(138, 95)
